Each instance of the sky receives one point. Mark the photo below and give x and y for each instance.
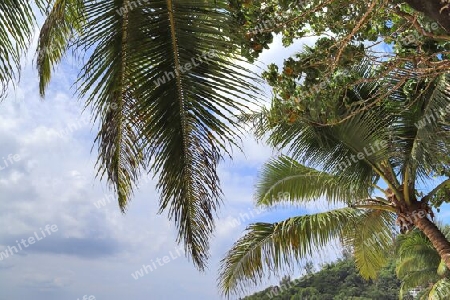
(77, 243)
(83, 246)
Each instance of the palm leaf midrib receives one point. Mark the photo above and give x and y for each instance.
(122, 86)
(181, 96)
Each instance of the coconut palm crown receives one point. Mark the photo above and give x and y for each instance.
(368, 162)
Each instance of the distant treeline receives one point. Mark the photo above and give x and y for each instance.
(335, 281)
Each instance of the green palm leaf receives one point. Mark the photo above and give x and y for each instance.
(284, 179)
(354, 148)
(440, 290)
(63, 21)
(415, 251)
(421, 129)
(105, 82)
(16, 28)
(419, 264)
(278, 245)
(165, 83)
(371, 236)
(411, 264)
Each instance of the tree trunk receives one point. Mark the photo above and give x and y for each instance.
(440, 243)
(433, 9)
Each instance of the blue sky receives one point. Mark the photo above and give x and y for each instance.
(95, 250)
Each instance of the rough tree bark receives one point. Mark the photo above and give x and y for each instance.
(438, 10)
(437, 238)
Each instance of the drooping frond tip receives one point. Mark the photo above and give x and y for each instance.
(171, 70)
(277, 246)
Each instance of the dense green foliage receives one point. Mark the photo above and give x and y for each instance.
(335, 281)
(419, 264)
(393, 34)
(331, 162)
(416, 264)
(377, 78)
(402, 24)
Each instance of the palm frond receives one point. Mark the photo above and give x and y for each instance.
(271, 247)
(410, 264)
(440, 290)
(353, 148)
(442, 269)
(418, 263)
(443, 186)
(371, 236)
(284, 179)
(62, 23)
(165, 81)
(106, 84)
(259, 121)
(420, 135)
(417, 246)
(419, 278)
(16, 28)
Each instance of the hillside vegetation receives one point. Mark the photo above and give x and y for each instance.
(335, 281)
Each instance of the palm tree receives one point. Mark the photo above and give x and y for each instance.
(419, 264)
(16, 29)
(346, 163)
(172, 74)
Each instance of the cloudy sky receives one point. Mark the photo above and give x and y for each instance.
(47, 177)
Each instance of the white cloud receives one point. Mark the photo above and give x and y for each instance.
(95, 249)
